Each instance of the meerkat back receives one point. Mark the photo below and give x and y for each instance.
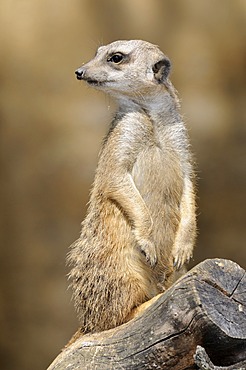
(140, 224)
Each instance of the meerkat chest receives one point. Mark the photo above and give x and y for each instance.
(157, 169)
(134, 144)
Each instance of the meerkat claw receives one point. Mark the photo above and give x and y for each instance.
(177, 263)
(148, 251)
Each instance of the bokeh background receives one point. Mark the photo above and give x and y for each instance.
(51, 130)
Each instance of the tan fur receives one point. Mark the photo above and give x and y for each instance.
(141, 217)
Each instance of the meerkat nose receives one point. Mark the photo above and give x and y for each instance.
(79, 73)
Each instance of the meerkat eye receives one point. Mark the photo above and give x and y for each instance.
(115, 58)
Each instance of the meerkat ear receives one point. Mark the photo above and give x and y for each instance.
(162, 69)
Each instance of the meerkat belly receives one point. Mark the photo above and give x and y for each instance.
(158, 176)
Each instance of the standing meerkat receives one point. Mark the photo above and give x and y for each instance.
(140, 225)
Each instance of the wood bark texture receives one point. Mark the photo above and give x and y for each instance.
(198, 323)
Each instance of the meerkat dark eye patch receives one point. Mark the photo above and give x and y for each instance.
(115, 58)
(162, 69)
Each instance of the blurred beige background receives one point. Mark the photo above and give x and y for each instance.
(52, 127)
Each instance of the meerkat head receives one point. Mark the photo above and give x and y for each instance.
(127, 69)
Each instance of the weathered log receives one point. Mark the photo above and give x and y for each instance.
(204, 363)
(206, 307)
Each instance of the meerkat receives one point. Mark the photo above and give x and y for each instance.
(140, 225)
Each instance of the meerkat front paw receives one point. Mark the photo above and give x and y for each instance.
(184, 242)
(143, 238)
(148, 250)
(182, 255)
